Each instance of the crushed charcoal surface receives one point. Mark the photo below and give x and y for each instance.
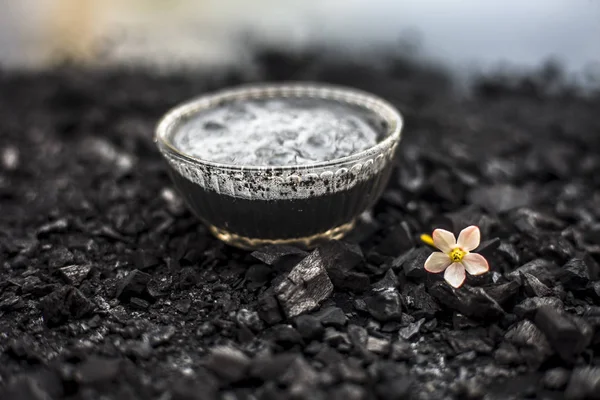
(111, 289)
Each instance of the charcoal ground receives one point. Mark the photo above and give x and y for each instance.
(111, 289)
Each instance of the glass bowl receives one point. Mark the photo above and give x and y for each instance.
(249, 206)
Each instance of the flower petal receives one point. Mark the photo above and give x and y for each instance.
(444, 240)
(469, 238)
(437, 262)
(455, 275)
(475, 264)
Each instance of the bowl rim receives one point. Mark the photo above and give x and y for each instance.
(382, 108)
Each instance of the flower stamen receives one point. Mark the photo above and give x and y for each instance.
(457, 254)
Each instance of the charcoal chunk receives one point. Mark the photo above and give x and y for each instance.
(462, 342)
(305, 287)
(388, 282)
(576, 274)
(160, 335)
(143, 260)
(271, 367)
(396, 241)
(268, 308)
(470, 301)
(531, 341)
(534, 287)
(133, 285)
(331, 316)
(228, 363)
(385, 306)
(379, 346)
(412, 262)
(274, 254)
(341, 260)
(283, 335)
(568, 338)
(257, 276)
(504, 292)
(412, 330)
(309, 327)
(528, 307)
(419, 301)
(75, 274)
(584, 384)
(546, 271)
(348, 391)
(64, 304)
(534, 223)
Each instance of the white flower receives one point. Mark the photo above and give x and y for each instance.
(455, 257)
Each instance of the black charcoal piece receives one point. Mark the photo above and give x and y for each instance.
(530, 340)
(584, 384)
(419, 301)
(305, 287)
(412, 262)
(385, 306)
(228, 363)
(268, 308)
(533, 222)
(388, 282)
(396, 241)
(75, 274)
(64, 304)
(309, 327)
(97, 370)
(534, 287)
(133, 285)
(257, 276)
(470, 301)
(283, 335)
(575, 274)
(412, 330)
(546, 271)
(528, 307)
(348, 391)
(138, 303)
(462, 342)
(566, 336)
(249, 319)
(331, 316)
(341, 260)
(503, 292)
(273, 254)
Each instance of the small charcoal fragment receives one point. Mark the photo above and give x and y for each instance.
(575, 274)
(270, 367)
(341, 260)
(504, 292)
(348, 391)
(534, 287)
(229, 363)
(283, 335)
(305, 287)
(133, 285)
(385, 306)
(257, 276)
(160, 335)
(388, 282)
(24, 388)
(528, 307)
(470, 301)
(65, 304)
(398, 240)
(331, 316)
(462, 342)
(75, 274)
(546, 271)
(249, 319)
(419, 301)
(272, 255)
(268, 308)
(412, 262)
(566, 336)
(584, 384)
(379, 346)
(526, 336)
(309, 327)
(412, 330)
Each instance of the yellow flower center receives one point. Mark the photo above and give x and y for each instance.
(457, 254)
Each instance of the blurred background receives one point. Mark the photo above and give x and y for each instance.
(466, 35)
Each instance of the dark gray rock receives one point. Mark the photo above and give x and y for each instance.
(228, 363)
(309, 327)
(472, 302)
(64, 304)
(331, 316)
(75, 274)
(133, 285)
(584, 384)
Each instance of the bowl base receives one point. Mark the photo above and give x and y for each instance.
(307, 242)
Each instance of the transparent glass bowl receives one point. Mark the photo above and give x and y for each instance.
(250, 206)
